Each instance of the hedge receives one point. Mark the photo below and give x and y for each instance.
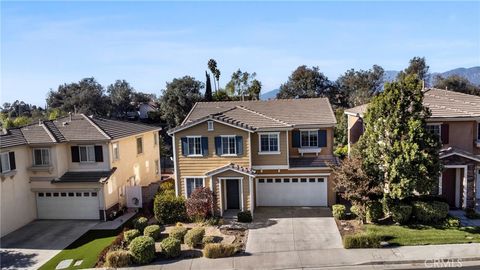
(118, 258)
(430, 212)
(339, 211)
(194, 236)
(130, 235)
(178, 233)
(153, 231)
(213, 251)
(142, 249)
(244, 216)
(362, 241)
(171, 247)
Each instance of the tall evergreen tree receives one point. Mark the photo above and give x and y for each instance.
(418, 66)
(208, 88)
(396, 149)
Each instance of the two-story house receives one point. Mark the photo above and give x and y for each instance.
(76, 167)
(257, 153)
(456, 120)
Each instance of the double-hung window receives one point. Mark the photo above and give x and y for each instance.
(194, 146)
(434, 129)
(87, 153)
(269, 142)
(192, 184)
(41, 157)
(5, 162)
(229, 145)
(139, 145)
(309, 138)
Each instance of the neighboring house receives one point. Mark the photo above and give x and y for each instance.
(76, 167)
(456, 120)
(145, 108)
(257, 153)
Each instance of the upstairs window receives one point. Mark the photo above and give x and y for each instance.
(155, 138)
(194, 146)
(210, 125)
(116, 151)
(435, 129)
(41, 157)
(139, 145)
(229, 145)
(269, 142)
(87, 153)
(5, 162)
(309, 138)
(192, 184)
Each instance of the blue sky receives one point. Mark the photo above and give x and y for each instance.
(47, 44)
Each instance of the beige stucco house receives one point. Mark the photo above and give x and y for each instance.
(257, 153)
(76, 167)
(456, 120)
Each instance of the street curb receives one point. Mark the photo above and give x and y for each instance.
(414, 261)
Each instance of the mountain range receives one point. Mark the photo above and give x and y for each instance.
(472, 74)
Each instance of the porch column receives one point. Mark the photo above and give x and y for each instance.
(250, 183)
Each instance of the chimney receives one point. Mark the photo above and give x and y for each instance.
(40, 122)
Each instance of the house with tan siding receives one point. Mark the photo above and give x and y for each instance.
(257, 153)
(456, 120)
(76, 167)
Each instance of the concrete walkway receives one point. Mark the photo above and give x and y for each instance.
(331, 258)
(116, 223)
(460, 214)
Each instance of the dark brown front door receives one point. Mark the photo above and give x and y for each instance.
(233, 194)
(448, 186)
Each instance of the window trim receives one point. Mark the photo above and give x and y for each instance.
(309, 131)
(439, 125)
(155, 138)
(186, 178)
(86, 151)
(260, 152)
(142, 145)
(7, 154)
(116, 157)
(235, 145)
(188, 145)
(157, 167)
(210, 126)
(34, 159)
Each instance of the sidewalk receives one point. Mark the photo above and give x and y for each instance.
(329, 258)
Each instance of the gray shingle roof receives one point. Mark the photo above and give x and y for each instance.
(260, 114)
(78, 129)
(13, 137)
(83, 177)
(442, 103)
(320, 161)
(37, 134)
(119, 129)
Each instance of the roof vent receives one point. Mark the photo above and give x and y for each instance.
(39, 122)
(64, 123)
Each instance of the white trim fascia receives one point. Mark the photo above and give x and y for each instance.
(459, 154)
(268, 130)
(309, 168)
(313, 126)
(453, 119)
(229, 169)
(175, 166)
(50, 134)
(270, 167)
(189, 113)
(185, 183)
(95, 125)
(359, 115)
(270, 153)
(292, 175)
(209, 119)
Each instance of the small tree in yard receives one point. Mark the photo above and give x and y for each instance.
(200, 203)
(356, 186)
(396, 149)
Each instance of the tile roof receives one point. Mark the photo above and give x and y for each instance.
(119, 129)
(444, 153)
(442, 103)
(83, 177)
(232, 167)
(264, 114)
(13, 137)
(320, 161)
(78, 127)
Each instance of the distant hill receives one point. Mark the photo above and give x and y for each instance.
(472, 74)
(272, 94)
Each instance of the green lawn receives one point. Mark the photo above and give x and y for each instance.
(86, 248)
(424, 235)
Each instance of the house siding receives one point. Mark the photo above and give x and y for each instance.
(270, 160)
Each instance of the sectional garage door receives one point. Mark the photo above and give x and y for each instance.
(68, 205)
(305, 191)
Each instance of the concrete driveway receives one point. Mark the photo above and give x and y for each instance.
(277, 229)
(37, 242)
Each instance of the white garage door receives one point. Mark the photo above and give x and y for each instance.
(308, 191)
(68, 205)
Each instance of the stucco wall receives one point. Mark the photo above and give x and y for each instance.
(131, 169)
(18, 206)
(462, 135)
(94, 166)
(198, 166)
(355, 128)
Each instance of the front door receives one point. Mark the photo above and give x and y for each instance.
(448, 186)
(233, 194)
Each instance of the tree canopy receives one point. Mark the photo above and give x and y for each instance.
(358, 87)
(305, 82)
(418, 66)
(456, 83)
(396, 149)
(178, 98)
(244, 84)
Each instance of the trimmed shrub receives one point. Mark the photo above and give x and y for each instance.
(208, 239)
(374, 211)
(194, 236)
(452, 222)
(338, 211)
(430, 212)
(362, 241)
(166, 187)
(401, 213)
(355, 209)
(213, 251)
(140, 223)
(178, 233)
(130, 235)
(118, 258)
(169, 208)
(171, 247)
(153, 231)
(200, 203)
(244, 216)
(142, 249)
